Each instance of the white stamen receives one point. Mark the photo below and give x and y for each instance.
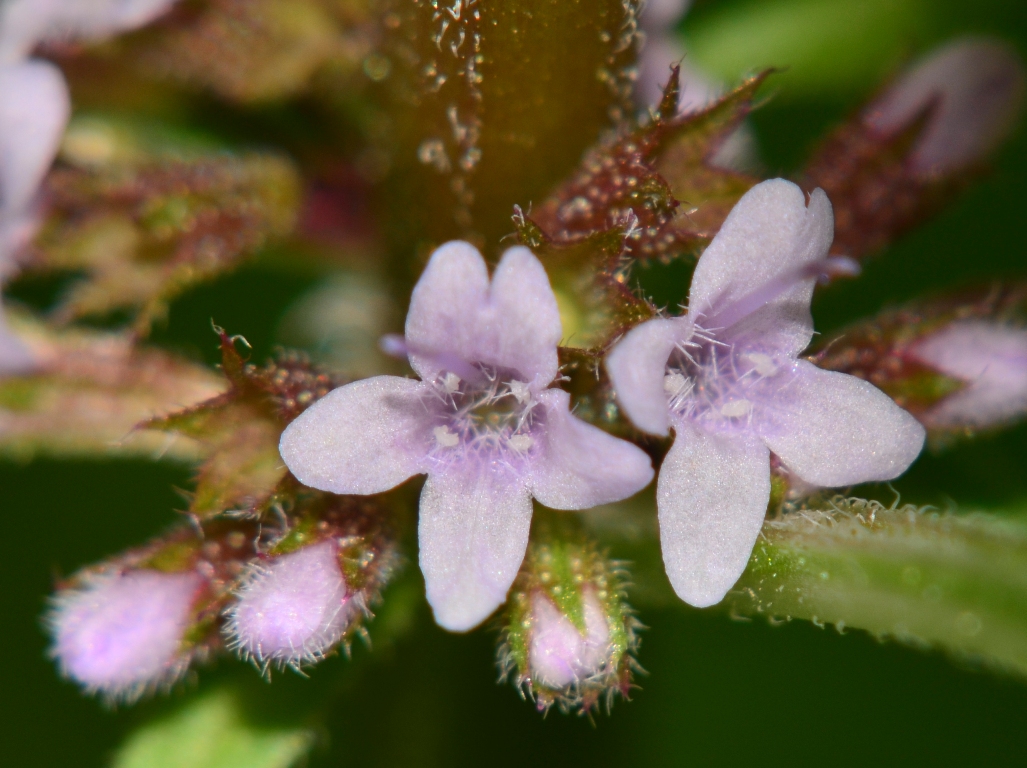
(444, 437)
(521, 442)
(451, 383)
(675, 384)
(736, 408)
(519, 390)
(764, 364)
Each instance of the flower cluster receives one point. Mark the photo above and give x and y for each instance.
(540, 371)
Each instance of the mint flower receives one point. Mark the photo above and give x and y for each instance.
(121, 634)
(293, 609)
(727, 378)
(482, 423)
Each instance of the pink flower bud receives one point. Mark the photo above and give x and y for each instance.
(560, 654)
(991, 359)
(293, 609)
(975, 87)
(121, 634)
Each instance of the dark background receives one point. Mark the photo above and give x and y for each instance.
(718, 691)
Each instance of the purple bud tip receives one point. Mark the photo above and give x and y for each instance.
(293, 609)
(394, 345)
(976, 88)
(121, 634)
(560, 655)
(991, 359)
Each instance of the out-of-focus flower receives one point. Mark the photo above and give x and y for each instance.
(291, 609)
(34, 108)
(973, 89)
(121, 634)
(26, 23)
(726, 377)
(991, 359)
(483, 424)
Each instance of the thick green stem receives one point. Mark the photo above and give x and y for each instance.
(955, 582)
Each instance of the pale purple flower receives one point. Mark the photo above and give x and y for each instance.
(121, 634)
(34, 108)
(483, 424)
(292, 609)
(727, 378)
(991, 359)
(26, 23)
(560, 654)
(976, 88)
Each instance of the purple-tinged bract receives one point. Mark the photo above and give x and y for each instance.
(292, 609)
(483, 424)
(726, 377)
(121, 634)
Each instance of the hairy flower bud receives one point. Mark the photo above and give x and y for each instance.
(315, 586)
(568, 635)
(292, 609)
(991, 360)
(121, 634)
(958, 362)
(561, 654)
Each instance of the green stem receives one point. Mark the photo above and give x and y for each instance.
(955, 582)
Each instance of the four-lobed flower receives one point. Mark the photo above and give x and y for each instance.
(727, 378)
(483, 423)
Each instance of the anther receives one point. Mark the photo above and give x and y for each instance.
(445, 438)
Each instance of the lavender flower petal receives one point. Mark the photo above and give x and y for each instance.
(451, 291)
(524, 324)
(833, 429)
(365, 437)
(756, 264)
(34, 108)
(473, 532)
(712, 496)
(583, 466)
(636, 367)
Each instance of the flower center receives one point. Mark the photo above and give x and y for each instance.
(493, 415)
(716, 383)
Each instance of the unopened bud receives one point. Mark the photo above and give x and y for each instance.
(292, 609)
(957, 362)
(121, 634)
(561, 654)
(991, 359)
(975, 89)
(313, 589)
(568, 635)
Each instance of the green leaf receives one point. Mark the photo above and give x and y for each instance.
(212, 732)
(953, 582)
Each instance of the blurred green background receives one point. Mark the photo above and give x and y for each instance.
(719, 691)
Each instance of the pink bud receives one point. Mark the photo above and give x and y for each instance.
(121, 634)
(976, 88)
(293, 609)
(560, 655)
(991, 359)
